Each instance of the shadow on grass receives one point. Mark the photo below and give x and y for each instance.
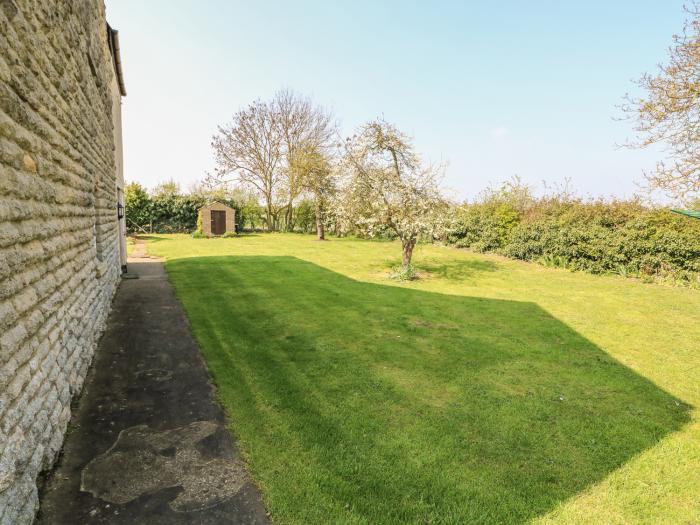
(369, 403)
(151, 238)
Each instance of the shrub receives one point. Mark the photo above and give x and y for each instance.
(136, 206)
(621, 237)
(229, 235)
(168, 211)
(305, 216)
(404, 273)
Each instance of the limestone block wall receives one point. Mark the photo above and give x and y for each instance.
(59, 251)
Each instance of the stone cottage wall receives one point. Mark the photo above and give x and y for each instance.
(59, 259)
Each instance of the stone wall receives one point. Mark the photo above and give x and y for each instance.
(59, 242)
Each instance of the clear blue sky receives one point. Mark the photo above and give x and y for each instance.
(494, 88)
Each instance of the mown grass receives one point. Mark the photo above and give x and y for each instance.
(488, 391)
(129, 245)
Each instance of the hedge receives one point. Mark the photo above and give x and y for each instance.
(622, 237)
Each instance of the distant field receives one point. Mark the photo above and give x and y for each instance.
(488, 391)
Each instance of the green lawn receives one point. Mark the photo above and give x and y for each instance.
(489, 391)
(129, 245)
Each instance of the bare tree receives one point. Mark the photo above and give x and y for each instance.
(390, 188)
(669, 113)
(251, 148)
(303, 125)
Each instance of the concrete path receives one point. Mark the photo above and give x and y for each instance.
(147, 442)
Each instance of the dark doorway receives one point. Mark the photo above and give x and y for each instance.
(218, 222)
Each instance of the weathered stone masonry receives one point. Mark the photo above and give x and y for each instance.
(59, 233)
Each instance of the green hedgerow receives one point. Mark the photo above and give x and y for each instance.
(621, 237)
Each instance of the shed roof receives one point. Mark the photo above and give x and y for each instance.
(688, 213)
(211, 203)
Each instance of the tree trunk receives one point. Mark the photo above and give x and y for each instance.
(408, 246)
(268, 211)
(320, 233)
(289, 217)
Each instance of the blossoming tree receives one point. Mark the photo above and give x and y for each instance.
(389, 188)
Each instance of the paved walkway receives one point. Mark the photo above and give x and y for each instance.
(147, 442)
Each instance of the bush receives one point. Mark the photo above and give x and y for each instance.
(485, 227)
(168, 212)
(404, 273)
(229, 235)
(305, 216)
(136, 206)
(620, 237)
(175, 213)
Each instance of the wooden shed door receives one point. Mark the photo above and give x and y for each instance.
(218, 222)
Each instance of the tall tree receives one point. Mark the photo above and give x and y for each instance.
(669, 113)
(314, 173)
(251, 148)
(167, 189)
(390, 188)
(305, 126)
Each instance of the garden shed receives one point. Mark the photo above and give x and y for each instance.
(217, 218)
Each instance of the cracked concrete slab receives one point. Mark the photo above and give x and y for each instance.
(147, 443)
(143, 461)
